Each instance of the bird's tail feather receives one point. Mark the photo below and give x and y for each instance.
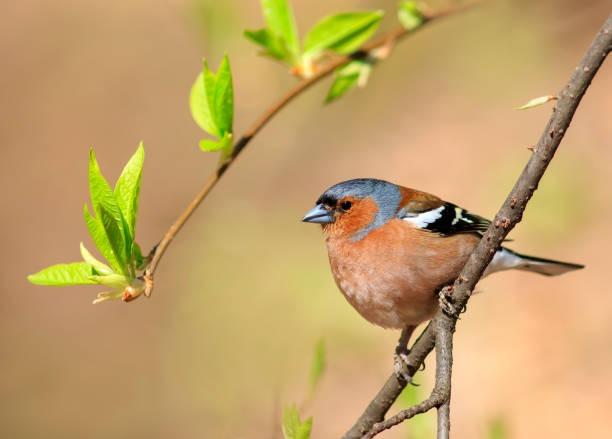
(506, 259)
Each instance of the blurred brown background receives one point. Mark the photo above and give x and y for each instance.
(245, 290)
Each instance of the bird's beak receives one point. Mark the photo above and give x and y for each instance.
(319, 215)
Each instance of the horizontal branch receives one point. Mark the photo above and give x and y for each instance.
(386, 41)
(506, 218)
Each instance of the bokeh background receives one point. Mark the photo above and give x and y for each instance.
(245, 291)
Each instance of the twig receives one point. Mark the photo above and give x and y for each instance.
(440, 395)
(388, 39)
(508, 216)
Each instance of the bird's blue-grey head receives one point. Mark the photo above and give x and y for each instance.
(340, 198)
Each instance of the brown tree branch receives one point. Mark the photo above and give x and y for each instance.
(376, 49)
(441, 328)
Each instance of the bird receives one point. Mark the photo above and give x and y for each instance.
(392, 249)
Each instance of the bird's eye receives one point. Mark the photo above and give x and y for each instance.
(346, 205)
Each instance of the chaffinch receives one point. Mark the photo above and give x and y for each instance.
(391, 249)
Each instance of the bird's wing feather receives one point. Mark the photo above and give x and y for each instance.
(430, 213)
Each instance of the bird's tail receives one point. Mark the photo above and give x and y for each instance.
(506, 259)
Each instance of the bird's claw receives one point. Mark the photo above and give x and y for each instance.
(400, 366)
(447, 302)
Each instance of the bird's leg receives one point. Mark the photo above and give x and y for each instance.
(400, 359)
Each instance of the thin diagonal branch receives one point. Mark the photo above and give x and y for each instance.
(387, 41)
(508, 216)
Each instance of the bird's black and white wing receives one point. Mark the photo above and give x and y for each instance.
(445, 219)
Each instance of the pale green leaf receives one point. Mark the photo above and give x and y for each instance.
(127, 189)
(341, 85)
(293, 427)
(116, 237)
(353, 74)
(200, 108)
(280, 20)
(342, 33)
(111, 280)
(76, 273)
(100, 191)
(537, 101)
(273, 47)
(103, 200)
(318, 365)
(212, 99)
(409, 15)
(223, 98)
(99, 267)
(98, 235)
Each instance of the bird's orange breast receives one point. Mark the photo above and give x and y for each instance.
(391, 275)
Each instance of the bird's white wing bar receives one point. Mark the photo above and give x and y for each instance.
(447, 219)
(423, 219)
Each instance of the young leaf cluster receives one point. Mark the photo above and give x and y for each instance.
(212, 106)
(341, 33)
(112, 227)
(212, 98)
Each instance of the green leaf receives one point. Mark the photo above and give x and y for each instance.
(98, 235)
(341, 85)
(212, 100)
(409, 15)
(100, 191)
(347, 77)
(110, 217)
(318, 365)
(281, 23)
(273, 47)
(103, 200)
(224, 143)
(293, 427)
(112, 280)
(342, 33)
(76, 273)
(223, 98)
(116, 237)
(200, 108)
(98, 266)
(127, 189)
(537, 101)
